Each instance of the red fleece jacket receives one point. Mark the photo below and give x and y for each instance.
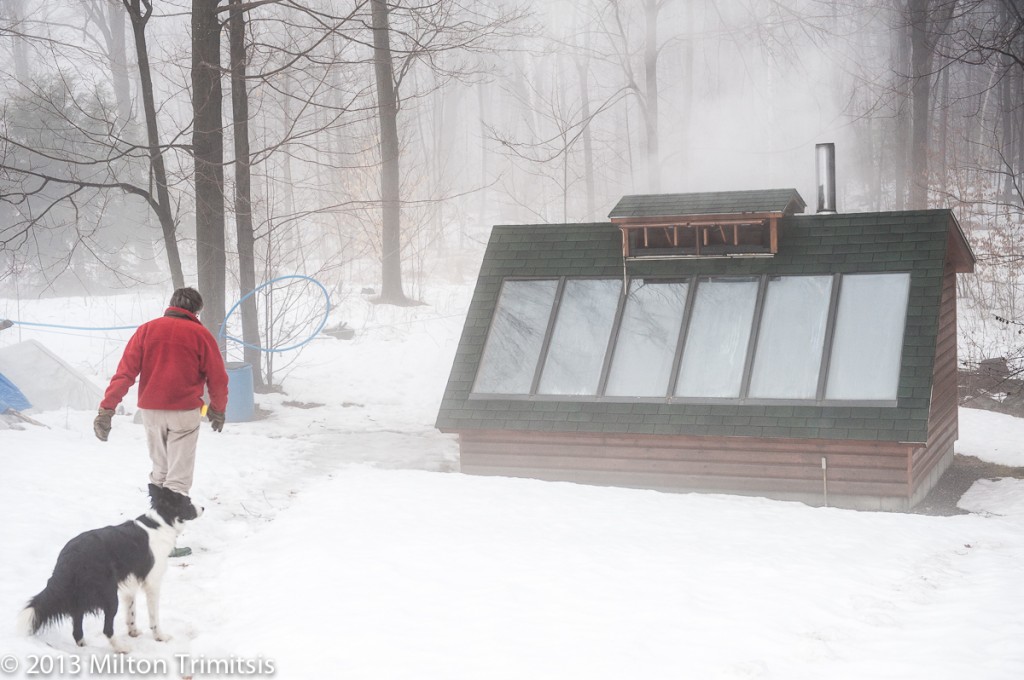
(176, 357)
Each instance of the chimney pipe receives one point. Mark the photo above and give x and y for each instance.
(826, 164)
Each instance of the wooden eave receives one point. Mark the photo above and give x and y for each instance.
(697, 220)
(735, 220)
(958, 249)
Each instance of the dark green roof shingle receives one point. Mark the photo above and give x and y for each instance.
(913, 242)
(786, 201)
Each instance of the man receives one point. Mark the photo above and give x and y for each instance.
(174, 357)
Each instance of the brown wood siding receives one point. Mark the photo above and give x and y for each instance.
(942, 416)
(740, 464)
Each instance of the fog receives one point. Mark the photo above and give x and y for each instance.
(384, 143)
(507, 112)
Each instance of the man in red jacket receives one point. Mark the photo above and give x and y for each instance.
(174, 357)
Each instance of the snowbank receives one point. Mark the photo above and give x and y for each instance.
(337, 542)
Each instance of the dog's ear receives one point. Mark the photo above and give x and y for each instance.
(174, 497)
(155, 491)
(181, 505)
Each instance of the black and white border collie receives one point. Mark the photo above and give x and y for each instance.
(96, 568)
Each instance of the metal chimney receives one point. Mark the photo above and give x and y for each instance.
(826, 164)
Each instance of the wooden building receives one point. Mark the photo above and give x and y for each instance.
(717, 342)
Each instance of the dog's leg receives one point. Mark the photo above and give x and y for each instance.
(128, 602)
(153, 603)
(76, 628)
(109, 612)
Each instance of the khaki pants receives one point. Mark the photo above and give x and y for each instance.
(172, 437)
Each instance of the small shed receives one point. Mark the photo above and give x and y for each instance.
(717, 342)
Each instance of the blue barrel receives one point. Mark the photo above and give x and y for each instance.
(241, 406)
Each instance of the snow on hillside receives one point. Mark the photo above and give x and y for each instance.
(340, 541)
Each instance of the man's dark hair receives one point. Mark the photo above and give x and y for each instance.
(188, 299)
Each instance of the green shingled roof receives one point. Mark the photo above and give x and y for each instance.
(914, 242)
(786, 201)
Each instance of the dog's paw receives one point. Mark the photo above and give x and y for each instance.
(119, 647)
(162, 636)
(80, 643)
(134, 632)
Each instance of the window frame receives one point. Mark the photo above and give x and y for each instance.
(617, 331)
(542, 361)
(559, 282)
(902, 335)
(826, 340)
(755, 318)
(693, 284)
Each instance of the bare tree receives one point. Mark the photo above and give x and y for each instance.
(562, 119)
(243, 187)
(16, 32)
(107, 162)
(990, 38)
(390, 183)
(139, 11)
(59, 176)
(301, 49)
(639, 67)
(208, 156)
(928, 22)
(107, 16)
(436, 34)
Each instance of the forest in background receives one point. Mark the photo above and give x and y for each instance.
(223, 143)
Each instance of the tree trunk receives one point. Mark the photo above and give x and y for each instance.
(483, 219)
(927, 24)
(243, 192)
(901, 130)
(686, 103)
(920, 93)
(208, 153)
(944, 133)
(15, 11)
(582, 71)
(387, 111)
(119, 60)
(651, 83)
(289, 240)
(1017, 172)
(162, 207)
(1007, 146)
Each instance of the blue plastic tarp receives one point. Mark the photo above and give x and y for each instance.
(11, 396)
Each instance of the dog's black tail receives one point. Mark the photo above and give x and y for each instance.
(42, 610)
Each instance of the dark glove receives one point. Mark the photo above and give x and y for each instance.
(216, 419)
(101, 425)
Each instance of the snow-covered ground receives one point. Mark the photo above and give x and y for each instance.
(339, 541)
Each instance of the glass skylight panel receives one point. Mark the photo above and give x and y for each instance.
(580, 337)
(646, 344)
(791, 338)
(717, 339)
(868, 342)
(570, 337)
(516, 337)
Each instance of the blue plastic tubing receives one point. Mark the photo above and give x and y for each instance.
(223, 326)
(323, 321)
